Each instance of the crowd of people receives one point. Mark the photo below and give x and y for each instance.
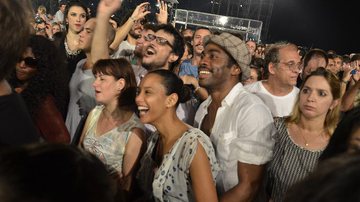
(95, 109)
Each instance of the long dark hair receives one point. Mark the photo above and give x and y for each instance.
(50, 79)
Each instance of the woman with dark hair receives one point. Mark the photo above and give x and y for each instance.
(305, 133)
(40, 78)
(112, 131)
(75, 17)
(180, 163)
(346, 137)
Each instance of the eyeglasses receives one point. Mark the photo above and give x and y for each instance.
(29, 61)
(159, 40)
(292, 65)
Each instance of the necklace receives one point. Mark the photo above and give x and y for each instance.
(69, 52)
(306, 142)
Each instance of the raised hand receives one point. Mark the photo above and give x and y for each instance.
(162, 16)
(140, 11)
(109, 6)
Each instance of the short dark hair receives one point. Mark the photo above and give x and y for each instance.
(15, 26)
(315, 53)
(179, 44)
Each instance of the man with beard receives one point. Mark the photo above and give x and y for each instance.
(136, 57)
(164, 49)
(189, 68)
(127, 47)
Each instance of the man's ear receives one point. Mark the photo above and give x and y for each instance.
(172, 58)
(271, 67)
(171, 100)
(235, 70)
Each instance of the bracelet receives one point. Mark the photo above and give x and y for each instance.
(197, 88)
(345, 82)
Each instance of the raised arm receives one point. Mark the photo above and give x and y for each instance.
(121, 32)
(349, 97)
(100, 43)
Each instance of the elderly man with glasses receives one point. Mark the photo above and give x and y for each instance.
(283, 67)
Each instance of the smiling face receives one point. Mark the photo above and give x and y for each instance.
(151, 99)
(214, 69)
(158, 56)
(316, 98)
(76, 19)
(139, 47)
(198, 44)
(24, 71)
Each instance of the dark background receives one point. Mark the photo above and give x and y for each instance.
(324, 24)
(317, 23)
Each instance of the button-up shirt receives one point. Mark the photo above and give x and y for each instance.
(243, 131)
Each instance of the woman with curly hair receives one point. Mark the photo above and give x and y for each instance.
(41, 79)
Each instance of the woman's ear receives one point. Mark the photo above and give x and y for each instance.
(171, 100)
(334, 104)
(120, 84)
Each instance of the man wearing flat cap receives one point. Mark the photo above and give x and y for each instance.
(238, 122)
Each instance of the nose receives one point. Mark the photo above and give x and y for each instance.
(21, 64)
(95, 83)
(78, 18)
(138, 98)
(204, 60)
(311, 97)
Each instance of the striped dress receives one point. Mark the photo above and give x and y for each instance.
(291, 163)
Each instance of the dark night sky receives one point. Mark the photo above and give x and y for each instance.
(317, 23)
(311, 23)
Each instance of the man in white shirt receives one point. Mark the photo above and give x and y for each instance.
(238, 123)
(279, 91)
(59, 15)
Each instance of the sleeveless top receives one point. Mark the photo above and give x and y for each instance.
(291, 163)
(110, 146)
(171, 181)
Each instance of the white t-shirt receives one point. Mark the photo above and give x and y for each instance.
(125, 49)
(279, 106)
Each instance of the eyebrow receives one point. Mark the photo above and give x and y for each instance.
(305, 86)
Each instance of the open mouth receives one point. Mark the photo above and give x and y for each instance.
(143, 110)
(204, 72)
(150, 51)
